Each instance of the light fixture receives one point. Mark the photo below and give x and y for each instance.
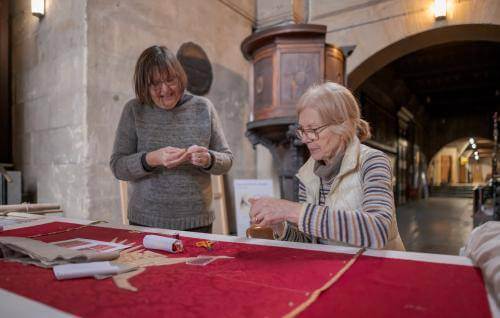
(38, 8)
(439, 9)
(476, 153)
(471, 140)
(474, 146)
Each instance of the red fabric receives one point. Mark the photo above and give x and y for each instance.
(260, 281)
(382, 287)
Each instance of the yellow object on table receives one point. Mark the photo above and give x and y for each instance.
(206, 244)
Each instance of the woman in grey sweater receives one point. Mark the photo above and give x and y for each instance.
(167, 144)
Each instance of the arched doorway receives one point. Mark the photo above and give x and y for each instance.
(419, 41)
(418, 101)
(426, 96)
(463, 162)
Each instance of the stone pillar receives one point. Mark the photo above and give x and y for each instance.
(49, 103)
(281, 12)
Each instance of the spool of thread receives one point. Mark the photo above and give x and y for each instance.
(163, 243)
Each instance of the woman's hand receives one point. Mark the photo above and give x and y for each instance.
(271, 212)
(169, 157)
(199, 156)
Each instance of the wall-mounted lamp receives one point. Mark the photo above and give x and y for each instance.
(474, 146)
(471, 140)
(439, 9)
(38, 8)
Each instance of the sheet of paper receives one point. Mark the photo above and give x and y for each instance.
(5, 222)
(13, 220)
(243, 190)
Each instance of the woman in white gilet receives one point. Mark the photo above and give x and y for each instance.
(345, 188)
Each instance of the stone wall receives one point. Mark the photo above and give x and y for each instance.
(118, 31)
(280, 12)
(49, 102)
(73, 74)
(372, 26)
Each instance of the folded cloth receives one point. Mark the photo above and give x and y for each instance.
(95, 269)
(29, 251)
(483, 247)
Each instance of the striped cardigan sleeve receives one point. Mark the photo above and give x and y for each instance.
(291, 232)
(368, 226)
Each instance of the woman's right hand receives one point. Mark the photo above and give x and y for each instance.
(169, 157)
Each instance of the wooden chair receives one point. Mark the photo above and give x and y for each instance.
(220, 225)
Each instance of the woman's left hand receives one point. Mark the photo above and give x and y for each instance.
(199, 156)
(268, 211)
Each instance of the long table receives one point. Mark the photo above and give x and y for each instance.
(262, 278)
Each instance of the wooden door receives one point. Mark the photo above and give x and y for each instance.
(477, 173)
(462, 178)
(445, 169)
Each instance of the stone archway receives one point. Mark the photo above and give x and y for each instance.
(464, 33)
(456, 130)
(412, 75)
(461, 162)
(454, 33)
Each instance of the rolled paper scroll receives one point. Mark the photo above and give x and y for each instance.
(163, 243)
(70, 271)
(29, 207)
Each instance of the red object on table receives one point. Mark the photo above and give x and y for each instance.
(260, 281)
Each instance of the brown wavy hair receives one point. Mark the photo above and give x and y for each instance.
(156, 59)
(338, 107)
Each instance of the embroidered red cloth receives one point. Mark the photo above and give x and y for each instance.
(260, 281)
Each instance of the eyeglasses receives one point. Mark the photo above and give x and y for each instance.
(170, 82)
(311, 134)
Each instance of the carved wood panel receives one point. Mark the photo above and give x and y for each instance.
(298, 72)
(334, 65)
(263, 85)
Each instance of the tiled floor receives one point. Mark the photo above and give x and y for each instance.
(435, 225)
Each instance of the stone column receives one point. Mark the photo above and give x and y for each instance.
(281, 12)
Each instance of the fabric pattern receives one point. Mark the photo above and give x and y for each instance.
(29, 251)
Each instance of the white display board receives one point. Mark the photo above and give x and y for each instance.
(243, 190)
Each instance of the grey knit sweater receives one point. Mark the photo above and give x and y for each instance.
(177, 198)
